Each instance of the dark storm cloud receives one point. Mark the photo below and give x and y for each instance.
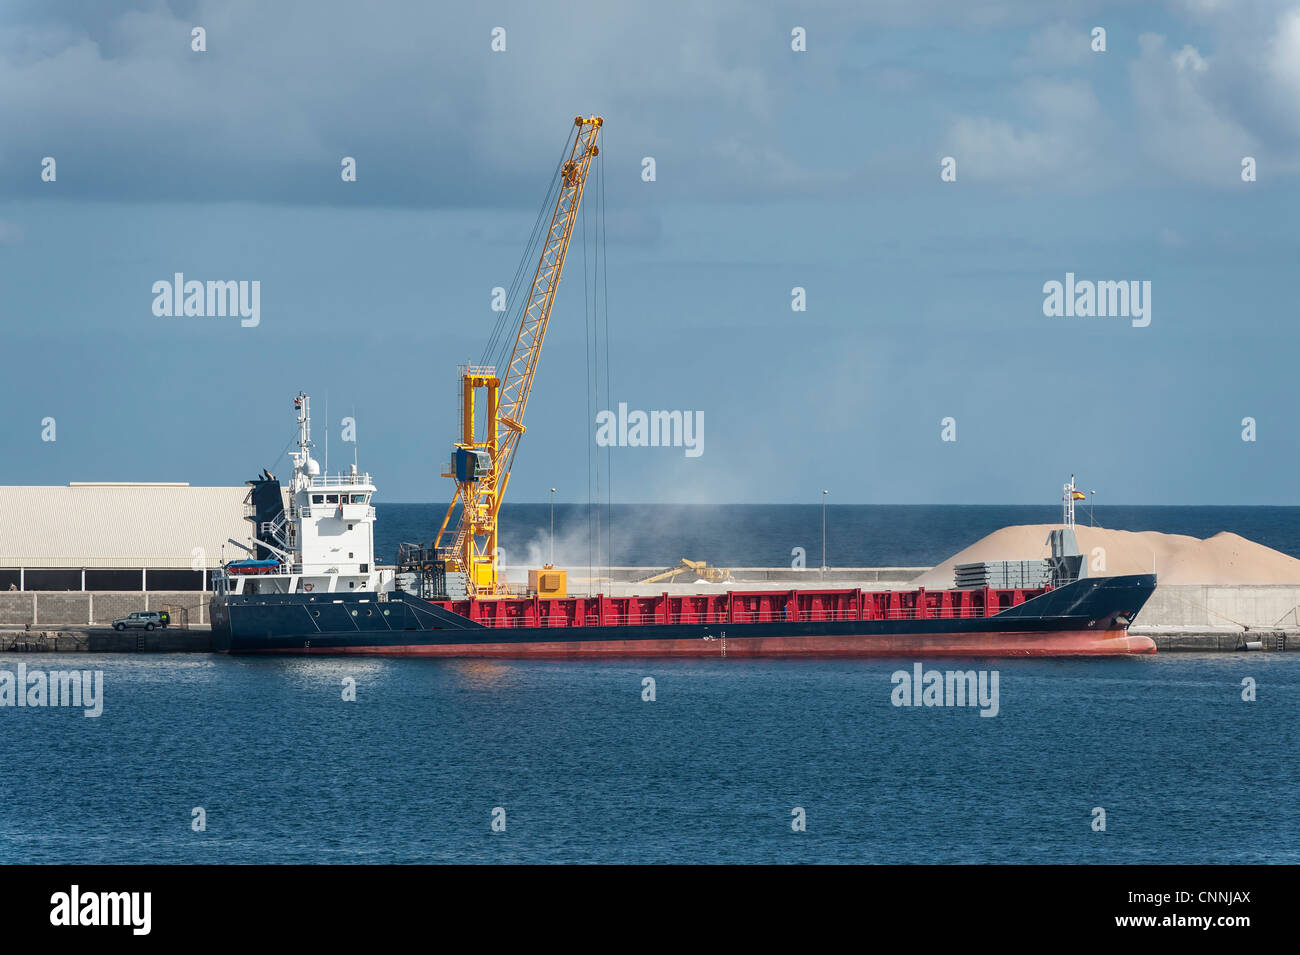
(432, 115)
(413, 91)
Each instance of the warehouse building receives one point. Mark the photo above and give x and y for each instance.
(117, 536)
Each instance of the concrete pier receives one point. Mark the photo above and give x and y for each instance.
(82, 608)
(105, 640)
(1216, 640)
(1213, 618)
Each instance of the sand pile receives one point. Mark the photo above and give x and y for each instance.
(1177, 559)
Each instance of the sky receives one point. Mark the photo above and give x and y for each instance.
(775, 169)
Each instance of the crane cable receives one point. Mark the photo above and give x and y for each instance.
(502, 339)
(600, 281)
(597, 534)
(588, 332)
(604, 275)
(510, 317)
(595, 351)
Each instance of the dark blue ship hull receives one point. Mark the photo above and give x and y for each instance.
(1082, 618)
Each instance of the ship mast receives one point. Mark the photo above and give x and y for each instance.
(303, 465)
(1068, 497)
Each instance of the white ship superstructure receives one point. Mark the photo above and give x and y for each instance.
(320, 541)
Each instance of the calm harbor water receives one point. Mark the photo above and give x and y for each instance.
(587, 771)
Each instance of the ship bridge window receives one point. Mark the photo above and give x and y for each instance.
(358, 499)
(318, 498)
(331, 498)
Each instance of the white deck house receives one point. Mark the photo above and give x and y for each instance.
(323, 541)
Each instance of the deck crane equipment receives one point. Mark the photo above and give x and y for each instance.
(481, 462)
(693, 570)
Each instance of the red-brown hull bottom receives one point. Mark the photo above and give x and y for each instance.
(1042, 644)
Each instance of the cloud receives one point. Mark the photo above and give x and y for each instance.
(1055, 46)
(1284, 55)
(1063, 133)
(432, 115)
(1185, 132)
(1200, 110)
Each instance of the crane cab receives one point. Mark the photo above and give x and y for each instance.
(471, 464)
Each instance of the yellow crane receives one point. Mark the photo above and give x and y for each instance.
(695, 569)
(481, 462)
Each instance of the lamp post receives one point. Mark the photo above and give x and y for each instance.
(552, 563)
(1092, 505)
(824, 493)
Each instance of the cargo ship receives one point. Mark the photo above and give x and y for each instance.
(311, 585)
(311, 582)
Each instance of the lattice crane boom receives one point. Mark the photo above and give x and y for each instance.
(481, 468)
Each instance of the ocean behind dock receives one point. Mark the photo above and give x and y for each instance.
(765, 535)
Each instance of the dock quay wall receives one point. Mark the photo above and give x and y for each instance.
(80, 608)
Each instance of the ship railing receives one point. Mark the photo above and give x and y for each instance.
(340, 480)
(892, 613)
(740, 616)
(415, 552)
(274, 527)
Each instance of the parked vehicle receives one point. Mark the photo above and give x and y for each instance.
(144, 620)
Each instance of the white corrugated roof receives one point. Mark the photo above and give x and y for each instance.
(119, 525)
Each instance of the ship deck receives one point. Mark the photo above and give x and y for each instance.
(739, 606)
